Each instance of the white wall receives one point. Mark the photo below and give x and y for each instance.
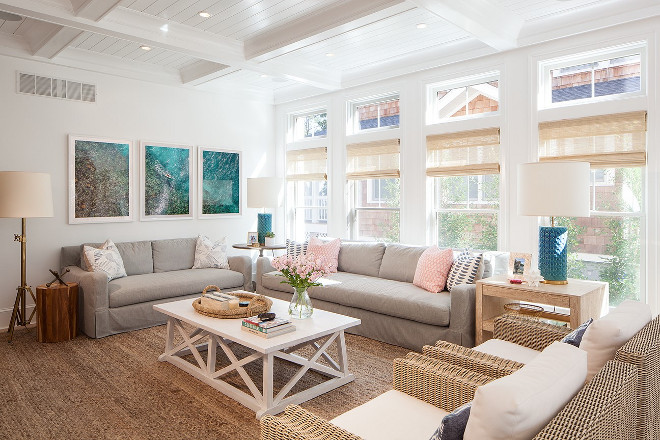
(518, 120)
(34, 138)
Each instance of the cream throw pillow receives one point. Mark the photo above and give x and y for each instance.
(518, 406)
(105, 259)
(606, 335)
(210, 254)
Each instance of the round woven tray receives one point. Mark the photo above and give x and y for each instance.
(258, 304)
(523, 309)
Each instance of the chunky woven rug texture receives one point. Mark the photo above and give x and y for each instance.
(115, 388)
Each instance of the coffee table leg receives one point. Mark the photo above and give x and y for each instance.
(169, 339)
(268, 360)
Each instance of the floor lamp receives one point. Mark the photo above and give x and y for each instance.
(24, 195)
(264, 192)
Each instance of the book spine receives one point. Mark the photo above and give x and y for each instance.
(255, 332)
(254, 327)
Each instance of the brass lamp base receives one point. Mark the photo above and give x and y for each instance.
(19, 314)
(559, 282)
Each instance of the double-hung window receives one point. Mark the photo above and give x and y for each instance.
(608, 246)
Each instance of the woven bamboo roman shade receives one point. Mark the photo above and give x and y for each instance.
(373, 160)
(307, 164)
(608, 141)
(463, 153)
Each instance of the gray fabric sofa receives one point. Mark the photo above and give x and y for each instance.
(374, 284)
(158, 271)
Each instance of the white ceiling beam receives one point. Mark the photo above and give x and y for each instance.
(94, 9)
(494, 26)
(203, 71)
(336, 19)
(55, 42)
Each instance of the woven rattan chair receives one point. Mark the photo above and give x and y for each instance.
(602, 410)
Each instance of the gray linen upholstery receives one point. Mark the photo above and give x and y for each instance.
(361, 258)
(387, 297)
(150, 287)
(92, 295)
(242, 264)
(137, 257)
(173, 254)
(400, 261)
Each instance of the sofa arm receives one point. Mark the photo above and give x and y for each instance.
(263, 266)
(433, 381)
(603, 409)
(472, 360)
(242, 264)
(461, 313)
(298, 424)
(527, 331)
(93, 291)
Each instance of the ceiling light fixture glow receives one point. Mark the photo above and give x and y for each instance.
(421, 26)
(165, 27)
(329, 54)
(204, 14)
(147, 48)
(263, 75)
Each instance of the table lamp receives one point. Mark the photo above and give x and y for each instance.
(554, 189)
(24, 195)
(264, 192)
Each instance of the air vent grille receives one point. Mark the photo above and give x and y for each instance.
(56, 88)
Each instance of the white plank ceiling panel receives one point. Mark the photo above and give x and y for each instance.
(536, 9)
(10, 27)
(391, 37)
(253, 79)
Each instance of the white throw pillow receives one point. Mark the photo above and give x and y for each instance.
(607, 334)
(105, 259)
(518, 406)
(210, 254)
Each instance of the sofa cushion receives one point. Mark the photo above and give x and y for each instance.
(398, 416)
(464, 270)
(105, 259)
(149, 287)
(507, 350)
(361, 258)
(137, 257)
(518, 406)
(432, 269)
(211, 254)
(400, 262)
(327, 251)
(387, 297)
(173, 254)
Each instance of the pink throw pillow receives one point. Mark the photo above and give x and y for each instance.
(327, 251)
(433, 268)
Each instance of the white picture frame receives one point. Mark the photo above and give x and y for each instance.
(519, 264)
(227, 183)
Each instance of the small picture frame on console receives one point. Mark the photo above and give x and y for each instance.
(252, 239)
(519, 264)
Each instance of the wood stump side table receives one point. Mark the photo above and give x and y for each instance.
(57, 312)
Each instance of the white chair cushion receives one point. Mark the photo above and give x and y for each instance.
(392, 415)
(507, 350)
(518, 406)
(607, 334)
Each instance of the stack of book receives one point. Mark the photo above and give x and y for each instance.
(267, 329)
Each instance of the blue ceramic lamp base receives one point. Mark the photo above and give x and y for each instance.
(264, 225)
(553, 254)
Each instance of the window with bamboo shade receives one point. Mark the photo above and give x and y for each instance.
(474, 152)
(307, 164)
(373, 160)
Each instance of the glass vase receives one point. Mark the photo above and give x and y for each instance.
(300, 306)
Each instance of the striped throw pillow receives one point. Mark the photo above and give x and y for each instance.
(295, 248)
(464, 270)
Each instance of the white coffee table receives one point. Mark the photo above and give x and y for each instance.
(211, 333)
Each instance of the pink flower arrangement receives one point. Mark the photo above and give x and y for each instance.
(301, 272)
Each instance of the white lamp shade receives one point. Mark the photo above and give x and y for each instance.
(25, 195)
(265, 192)
(554, 189)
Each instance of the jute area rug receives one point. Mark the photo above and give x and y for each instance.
(115, 388)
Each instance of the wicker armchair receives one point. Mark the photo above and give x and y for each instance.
(601, 410)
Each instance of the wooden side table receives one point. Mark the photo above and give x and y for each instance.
(259, 248)
(583, 299)
(57, 312)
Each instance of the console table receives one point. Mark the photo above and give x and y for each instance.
(259, 248)
(583, 299)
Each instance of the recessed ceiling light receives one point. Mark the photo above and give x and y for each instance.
(421, 26)
(204, 14)
(263, 75)
(329, 54)
(147, 48)
(165, 27)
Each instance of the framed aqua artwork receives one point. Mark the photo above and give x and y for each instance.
(166, 181)
(219, 183)
(100, 180)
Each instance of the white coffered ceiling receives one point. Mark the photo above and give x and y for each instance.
(278, 46)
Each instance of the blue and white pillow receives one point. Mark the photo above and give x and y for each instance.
(210, 254)
(453, 424)
(464, 270)
(575, 337)
(295, 248)
(105, 259)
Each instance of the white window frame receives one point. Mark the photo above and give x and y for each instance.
(292, 125)
(547, 66)
(353, 120)
(433, 89)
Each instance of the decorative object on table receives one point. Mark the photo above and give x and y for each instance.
(257, 304)
(166, 181)
(269, 238)
(519, 264)
(301, 272)
(267, 328)
(214, 300)
(523, 309)
(100, 180)
(264, 192)
(24, 195)
(58, 277)
(533, 277)
(253, 239)
(57, 311)
(219, 182)
(554, 189)
(210, 254)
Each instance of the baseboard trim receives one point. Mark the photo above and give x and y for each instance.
(5, 317)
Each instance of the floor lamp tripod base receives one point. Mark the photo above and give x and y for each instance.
(19, 314)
